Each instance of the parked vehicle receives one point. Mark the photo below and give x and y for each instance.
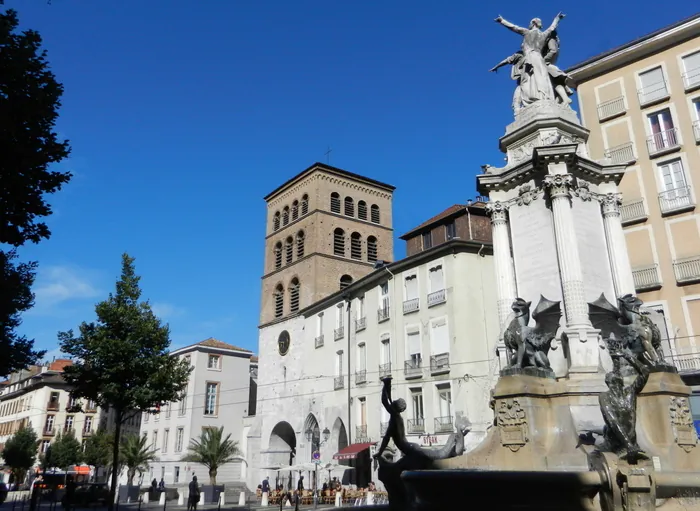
(91, 493)
(3, 492)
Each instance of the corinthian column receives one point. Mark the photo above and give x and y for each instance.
(617, 247)
(505, 272)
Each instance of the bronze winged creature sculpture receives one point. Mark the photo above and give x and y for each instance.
(528, 346)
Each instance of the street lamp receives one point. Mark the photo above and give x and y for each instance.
(313, 435)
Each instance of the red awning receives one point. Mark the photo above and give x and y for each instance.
(351, 451)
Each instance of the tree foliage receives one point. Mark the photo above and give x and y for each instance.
(122, 360)
(65, 451)
(98, 449)
(29, 102)
(136, 455)
(212, 450)
(19, 453)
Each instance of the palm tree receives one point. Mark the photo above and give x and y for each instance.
(212, 451)
(135, 455)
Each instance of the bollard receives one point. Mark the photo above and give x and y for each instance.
(241, 499)
(265, 501)
(140, 499)
(146, 497)
(338, 499)
(220, 499)
(162, 498)
(180, 499)
(289, 503)
(370, 498)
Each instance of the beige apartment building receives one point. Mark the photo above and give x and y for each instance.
(641, 102)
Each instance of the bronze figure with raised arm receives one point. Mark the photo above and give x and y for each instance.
(396, 429)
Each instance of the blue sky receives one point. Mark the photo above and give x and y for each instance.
(183, 115)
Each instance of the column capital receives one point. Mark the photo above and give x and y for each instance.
(558, 184)
(498, 211)
(611, 203)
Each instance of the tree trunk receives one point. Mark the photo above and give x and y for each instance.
(212, 476)
(115, 459)
(130, 474)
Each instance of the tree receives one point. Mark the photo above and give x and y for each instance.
(66, 451)
(122, 360)
(136, 456)
(29, 102)
(20, 453)
(98, 449)
(212, 451)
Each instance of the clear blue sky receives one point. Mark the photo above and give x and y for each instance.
(183, 115)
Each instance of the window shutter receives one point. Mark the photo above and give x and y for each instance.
(413, 343)
(651, 78)
(692, 63)
(440, 338)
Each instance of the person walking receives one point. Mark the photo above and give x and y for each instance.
(193, 498)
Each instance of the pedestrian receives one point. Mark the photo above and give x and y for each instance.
(69, 495)
(266, 485)
(193, 498)
(161, 484)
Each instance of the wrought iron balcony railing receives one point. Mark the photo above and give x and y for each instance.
(633, 211)
(437, 297)
(416, 426)
(384, 370)
(687, 270)
(318, 341)
(646, 278)
(440, 363)
(622, 153)
(339, 382)
(663, 141)
(360, 324)
(412, 368)
(611, 108)
(676, 200)
(411, 305)
(339, 333)
(361, 376)
(383, 314)
(443, 424)
(361, 432)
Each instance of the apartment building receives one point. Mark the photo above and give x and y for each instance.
(428, 320)
(220, 392)
(641, 103)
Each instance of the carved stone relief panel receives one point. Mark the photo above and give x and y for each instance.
(512, 424)
(682, 422)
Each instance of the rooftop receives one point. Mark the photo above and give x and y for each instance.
(453, 210)
(60, 364)
(215, 343)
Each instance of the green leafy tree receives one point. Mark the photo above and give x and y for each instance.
(136, 455)
(98, 449)
(29, 102)
(122, 360)
(19, 453)
(212, 450)
(66, 451)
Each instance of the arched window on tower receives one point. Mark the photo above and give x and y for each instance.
(374, 211)
(304, 205)
(279, 301)
(278, 255)
(294, 295)
(335, 203)
(349, 206)
(356, 245)
(289, 250)
(372, 249)
(300, 244)
(276, 221)
(362, 210)
(285, 215)
(345, 281)
(339, 242)
(295, 210)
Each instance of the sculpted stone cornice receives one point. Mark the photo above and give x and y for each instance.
(559, 185)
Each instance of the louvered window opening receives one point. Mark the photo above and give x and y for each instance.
(285, 216)
(339, 242)
(276, 222)
(279, 303)
(294, 298)
(289, 249)
(300, 245)
(345, 281)
(349, 207)
(362, 210)
(335, 203)
(295, 210)
(372, 249)
(278, 257)
(356, 246)
(304, 205)
(375, 214)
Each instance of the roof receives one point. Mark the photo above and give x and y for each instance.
(635, 42)
(254, 359)
(453, 210)
(351, 451)
(60, 364)
(332, 170)
(215, 343)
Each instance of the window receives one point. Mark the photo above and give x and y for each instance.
(300, 244)
(182, 410)
(663, 133)
(691, 68)
(653, 85)
(176, 474)
(439, 337)
(50, 420)
(295, 210)
(411, 287)
(361, 307)
(372, 249)
(384, 296)
(335, 203)
(289, 250)
(349, 206)
(45, 446)
(214, 362)
(339, 242)
(166, 435)
(450, 231)
(427, 240)
(444, 400)
(356, 245)
(374, 213)
(672, 176)
(53, 401)
(91, 405)
(319, 325)
(278, 255)
(304, 205)
(188, 359)
(362, 357)
(68, 426)
(436, 278)
(146, 416)
(279, 301)
(413, 344)
(154, 443)
(87, 427)
(276, 221)
(345, 281)
(385, 351)
(211, 399)
(339, 364)
(339, 315)
(417, 404)
(363, 411)
(73, 402)
(285, 215)
(294, 295)
(168, 409)
(362, 210)
(179, 437)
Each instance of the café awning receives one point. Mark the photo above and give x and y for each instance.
(352, 451)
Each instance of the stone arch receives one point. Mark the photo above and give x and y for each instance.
(283, 441)
(339, 435)
(311, 423)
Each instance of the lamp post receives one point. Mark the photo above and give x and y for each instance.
(313, 435)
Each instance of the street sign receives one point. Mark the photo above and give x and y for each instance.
(316, 455)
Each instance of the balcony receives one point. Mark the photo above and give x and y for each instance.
(653, 93)
(361, 433)
(443, 425)
(360, 324)
(440, 364)
(416, 426)
(611, 108)
(52, 406)
(633, 212)
(412, 368)
(318, 341)
(339, 383)
(437, 298)
(384, 370)
(676, 200)
(49, 431)
(646, 278)
(91, 407)
(411, 305)
(383, 314)
(339, 333)
(687, 270)
(361, 376)
(383, 426)
(623, 153)
(696, 131)
(687, 363)
(663, 142)
(691, 79)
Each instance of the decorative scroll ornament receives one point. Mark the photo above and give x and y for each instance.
(583, 191)
(558, 184)
(498, 211)
(527, 194)
(512, 423)
(682, 422)
(611, 203)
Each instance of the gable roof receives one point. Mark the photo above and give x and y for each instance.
(215, 343)
(454, 210)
